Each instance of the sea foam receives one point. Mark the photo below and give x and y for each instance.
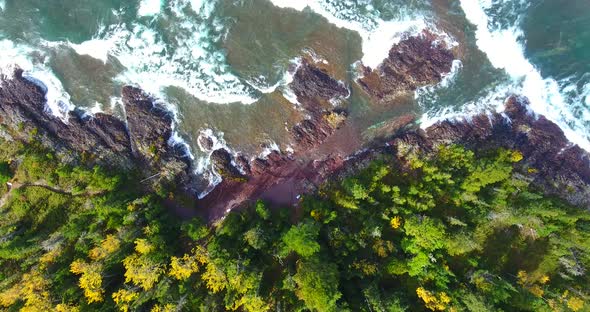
(149, 7)
(192, 61)
(203, 166)
(13, 56)
(504, 49)
(494, 100)
(100, 48)
(378, 35)
(446, 81)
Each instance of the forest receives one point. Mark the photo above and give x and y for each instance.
(447, 230)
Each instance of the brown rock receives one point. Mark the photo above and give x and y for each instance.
(205, 142)
(314, 87)
(414, 62)
(22, 110)
(223, 162)
(105, 139)
(149, 124)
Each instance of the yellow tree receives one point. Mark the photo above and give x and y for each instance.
(62, 307)
(123, 298)
(33, 290)
(214, 277)
(251, 304)
(182, 268)
(107, 246)
(90, 279)
(142, 271)
(431, 301)
(165, 308)
(143, 246)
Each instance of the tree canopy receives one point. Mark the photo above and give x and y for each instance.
(448, 230)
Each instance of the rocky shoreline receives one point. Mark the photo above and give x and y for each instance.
(550, 161)
(140, 141)
(145, 139)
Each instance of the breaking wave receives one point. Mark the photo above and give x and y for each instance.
(149, 7)
(502, 42)
(378, 34)
(185, 55)
(17, 55)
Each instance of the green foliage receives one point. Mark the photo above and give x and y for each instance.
(5, 174)
(195, 229)
(302, 239)
(449, 230)
(317, 284)
(262, 210)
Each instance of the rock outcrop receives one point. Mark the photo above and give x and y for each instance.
(553, 164)
(226, 165)
(24, 116)
(141, 141)
(314, 87)
(414, 62)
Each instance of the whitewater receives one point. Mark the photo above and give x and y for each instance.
(504, 50)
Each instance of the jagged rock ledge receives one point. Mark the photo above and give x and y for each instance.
(141, 141)
(414, 62)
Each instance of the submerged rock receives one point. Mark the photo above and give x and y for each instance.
(412, 63)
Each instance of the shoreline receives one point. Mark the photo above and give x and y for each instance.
(325, 144)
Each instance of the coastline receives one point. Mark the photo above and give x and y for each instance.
(324, 145)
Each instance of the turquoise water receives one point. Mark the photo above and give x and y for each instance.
(223, 65)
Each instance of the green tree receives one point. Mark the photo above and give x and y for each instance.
(302, 239)
(5, 174)
(317, 284)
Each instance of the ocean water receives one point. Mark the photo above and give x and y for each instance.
(222, 66)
